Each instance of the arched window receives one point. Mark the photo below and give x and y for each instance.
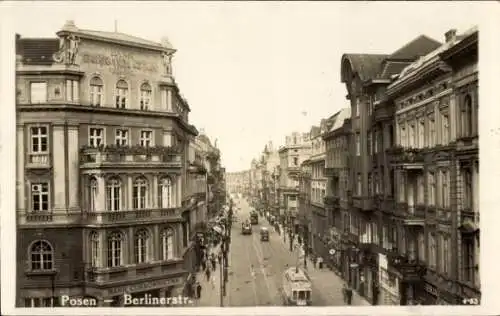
(141, 248)
(96, 91)
(121, 94)
(167, 244)
(466, 116)
(42, 256)
(95, 249)
(115, 249)
(165, 190)
(113, 194)
(139, 194)
(93, 194)
(145, 97)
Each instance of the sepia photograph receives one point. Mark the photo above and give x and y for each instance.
(280, 155)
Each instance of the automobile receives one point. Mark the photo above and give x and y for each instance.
(254, 218)
(264, 234)
(246, 228)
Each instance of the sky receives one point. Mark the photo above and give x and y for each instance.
(254, 72)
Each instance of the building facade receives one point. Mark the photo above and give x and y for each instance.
(104, 199)
(296, 150)
(436, 166)
(270, 160)
(336, 200)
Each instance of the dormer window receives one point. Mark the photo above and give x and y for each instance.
(121, 94)
(145, 97)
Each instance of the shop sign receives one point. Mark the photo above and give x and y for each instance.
(382, 261)
(431, 289)
(119, 62)
(144, 286)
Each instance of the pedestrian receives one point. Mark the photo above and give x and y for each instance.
(213, 281)
(348, 294)
(219, 257)
(214, 262)
(198, 290)
(207, 273)
(203, 264)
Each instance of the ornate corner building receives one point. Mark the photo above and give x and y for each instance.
(112, 180)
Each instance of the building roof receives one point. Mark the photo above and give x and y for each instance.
(315, 131)
(340, 118)
(37, 51)
(420, 46)
(366, 66)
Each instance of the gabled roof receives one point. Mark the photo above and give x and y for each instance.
(315, 131)
(340, 117)
(37, 51)
(420, 46)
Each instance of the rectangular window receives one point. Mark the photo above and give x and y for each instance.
(412, 136)
(146, 139)
(403, 136)
(357, 108)
(468, 195)
(376, 141)
(432, 189)
(445, 131)
(369, 143)
(432, 131)
(421, 134)
(370, 185)
(446, 254)
(358, 145)
(121, 137)
(420, 189)
(72, 90)
(432, 251)
(445, 189)
(39, 139)
(145, 99)
(121, 98)
(40, 197)
(163, 98)
(469, 262)
(359, 185)
(421, 247)
(96, 137)
(96, 95)
(38, 92)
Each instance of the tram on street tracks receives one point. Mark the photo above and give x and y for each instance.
(297, 287)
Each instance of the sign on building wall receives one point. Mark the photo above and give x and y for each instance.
(119, 62)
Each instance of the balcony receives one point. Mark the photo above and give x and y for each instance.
(136, 271)
(444, 215)
(49, 217)
(197, 168)
(408, 268)
(136, 216)
(469, 221)
(38, 161)
(331, 201)
(136, 156)
(411, 215)
(382, 112)
(331, 172)
(406, 158)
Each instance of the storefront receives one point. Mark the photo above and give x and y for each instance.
(389, 284)
(369, 279)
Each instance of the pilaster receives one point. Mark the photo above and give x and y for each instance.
(129, 191)
(20, 155)
(154, 198)
(73, 167)
(59, 181)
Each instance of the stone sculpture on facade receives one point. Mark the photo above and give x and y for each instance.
(167, 63)
(68, 50)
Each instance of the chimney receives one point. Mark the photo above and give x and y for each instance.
(18, 37)
(450, 35)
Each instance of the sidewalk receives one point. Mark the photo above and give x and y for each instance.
(329, 282)
(210, 294)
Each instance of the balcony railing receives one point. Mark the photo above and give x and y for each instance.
(411, 215)
(110, 156)
(111, 217)
(38, 160)
(331, 201)
(401, 155)
(408, 265)
(444, 215)
(146, 270)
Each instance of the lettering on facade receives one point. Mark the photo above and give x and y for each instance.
(120, 63)
(144, 286)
